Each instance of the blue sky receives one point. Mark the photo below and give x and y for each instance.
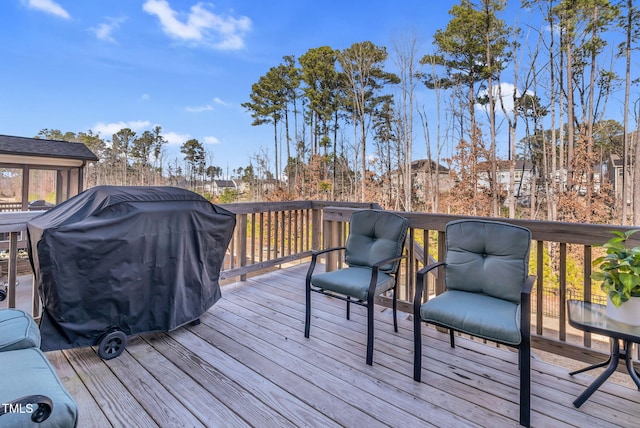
(185, 65)
(101, 65)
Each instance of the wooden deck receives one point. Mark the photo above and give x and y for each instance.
(248, 364)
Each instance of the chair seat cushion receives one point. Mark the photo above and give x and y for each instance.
(352, 281)
(475, 314)
(28, 372)
(18, 330)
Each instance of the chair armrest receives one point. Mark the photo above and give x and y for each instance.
(417, 298)
(326, 250)
(374, 272)
(525, 305)
(314, 259)
(40, 407)
(529, 283)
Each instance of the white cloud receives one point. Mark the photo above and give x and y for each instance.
(106, 130)
(175, 138)
(507, 91)
(105, 30)
(48, 6)
(199, 109)
(145, 97)
(206, 107)
(211, 140)
(200, 26)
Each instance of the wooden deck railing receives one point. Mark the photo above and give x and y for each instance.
(274, 233)
(13, 227)
(269, 235)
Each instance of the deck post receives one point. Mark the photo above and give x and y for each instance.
(316, 229)
(12, 269)
(241, 248)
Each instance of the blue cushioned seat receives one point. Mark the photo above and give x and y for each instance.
(27, 372)
(353, 281)
(18, 330)
(476, 314)
(30, 390)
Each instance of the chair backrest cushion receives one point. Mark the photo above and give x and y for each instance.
(374, 236)
(487, 257)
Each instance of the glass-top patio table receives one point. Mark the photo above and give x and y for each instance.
(592, 318)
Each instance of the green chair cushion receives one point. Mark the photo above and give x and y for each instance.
(28, 372)
(352, 281)
(374, 236)
(487, 257)
(475, 314)
(18, 330)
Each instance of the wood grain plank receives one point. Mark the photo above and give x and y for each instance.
(268, 378)
(152, 395)
(90, 415)
(248, 364)
(193, 355)
(115, 400)
(183, 385)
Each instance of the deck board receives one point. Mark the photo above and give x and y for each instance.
(249, 364)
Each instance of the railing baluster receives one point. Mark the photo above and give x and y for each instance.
(241, 227)
(12, 269)
(269, 243)
(586, 271)
(261, 241)
(562, 311)
(410, 276)
(540, 287)
(253, 238)
(290, 234)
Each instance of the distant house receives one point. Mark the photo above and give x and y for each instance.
(32, 169)
(523, 173)
(241, 186)
(615, 171)
(424, 172)
(219, 186)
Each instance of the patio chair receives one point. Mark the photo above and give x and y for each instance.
(372, 253)
(487, 293)
(30, 390)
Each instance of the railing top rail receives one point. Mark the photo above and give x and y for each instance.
(258, 207)
(541, 230)
(16, 221)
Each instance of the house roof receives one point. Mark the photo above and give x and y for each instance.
(504, 165)
(225, 183)
(423, 164)
(615, 160)
(10, 145)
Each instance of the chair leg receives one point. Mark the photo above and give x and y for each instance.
(348, 307)
(370, 332)
(525, 382)
(452, 339)
(307, 317)
(417, 348)
(395, 309)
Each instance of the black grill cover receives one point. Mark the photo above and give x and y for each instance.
(136, 259)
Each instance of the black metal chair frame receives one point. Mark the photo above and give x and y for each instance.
(368, 304)
(524, 349)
